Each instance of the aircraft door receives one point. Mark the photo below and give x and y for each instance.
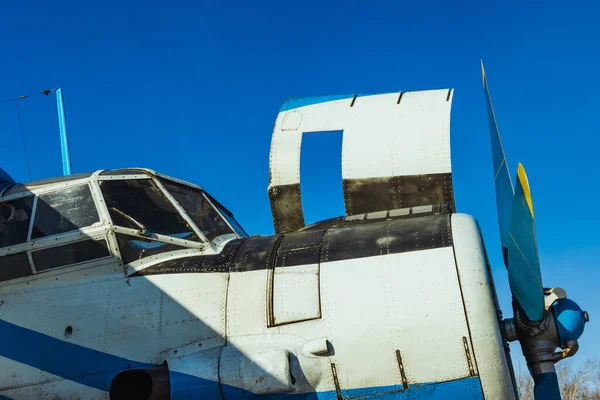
(294, 283)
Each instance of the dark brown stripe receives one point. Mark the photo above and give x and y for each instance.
(336, 382)
(376, 194)
(401, 368)
(387, 237)
(286, 207)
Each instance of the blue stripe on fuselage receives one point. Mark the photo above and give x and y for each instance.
(464, 389)
(70, 361)
(96, 369)
(83, 365)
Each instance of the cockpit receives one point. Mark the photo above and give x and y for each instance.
(133, 216)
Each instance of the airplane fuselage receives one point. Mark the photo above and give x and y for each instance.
(392, 304)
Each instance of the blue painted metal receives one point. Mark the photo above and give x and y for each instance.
(524, 273)
(569, 319)
(502, 181)
(295, 102)
(546, 387)
(467, 389)
(64, 139)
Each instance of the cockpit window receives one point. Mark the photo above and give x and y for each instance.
(14, 221)
(199, 209)
(229, 217)
(64, 210)
(140, 204)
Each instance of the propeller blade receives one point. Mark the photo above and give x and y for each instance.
(546, 386)
(504, 186)
(523, 261)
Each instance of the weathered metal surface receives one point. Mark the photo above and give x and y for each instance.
(370, 194)
(286, 207)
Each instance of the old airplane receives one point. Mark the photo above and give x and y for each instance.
(128, 284)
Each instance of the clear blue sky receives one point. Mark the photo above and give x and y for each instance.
(192, 90)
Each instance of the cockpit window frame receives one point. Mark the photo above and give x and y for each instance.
(105, 229)
(185, 215)
(36, 193)
(98, 231)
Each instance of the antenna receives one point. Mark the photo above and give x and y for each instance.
(64, 138)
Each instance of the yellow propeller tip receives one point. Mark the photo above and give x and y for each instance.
(524, 182)
(482, 72)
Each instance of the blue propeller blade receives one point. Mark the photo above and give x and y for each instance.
(504, 186)
(523, 266)
(546, 387)
(515, 220)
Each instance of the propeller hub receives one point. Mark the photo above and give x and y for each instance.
(570, 320)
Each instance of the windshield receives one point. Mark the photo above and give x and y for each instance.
(136, 202)
(228, 216)
(199, 210)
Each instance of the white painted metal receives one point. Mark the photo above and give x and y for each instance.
(157, 237)
(136, 319)
(381, 137)
(263, 371)
(370, 307)
(482, 312)
(296, 294)
(410, 302)
(122, 177)
(237, 370)
(55, 240)
(43, 188)
(143, 263)
(54, 388)
(247, 300)
(315, 348)
(33, 210)
(399, 211)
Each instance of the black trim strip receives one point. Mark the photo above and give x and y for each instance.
(389, 193)
(311, 247)
(286, 208)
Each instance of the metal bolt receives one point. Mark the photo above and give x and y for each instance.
(586, 316)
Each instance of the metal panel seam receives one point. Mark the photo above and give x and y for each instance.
(464, 307)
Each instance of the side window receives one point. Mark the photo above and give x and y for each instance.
(199, 209)
(136, 202)
(14, 266)
(69, 254)
(64, 210)
(14, 221)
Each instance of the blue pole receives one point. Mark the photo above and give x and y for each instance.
(64, 139)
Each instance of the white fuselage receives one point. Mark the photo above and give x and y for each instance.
(403, 323)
